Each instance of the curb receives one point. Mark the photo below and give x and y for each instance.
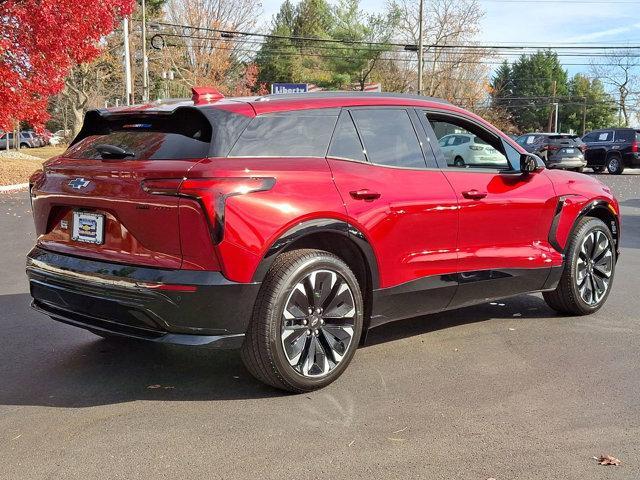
(13, 188)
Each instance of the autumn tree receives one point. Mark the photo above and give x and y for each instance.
(198, 51)
(40, 42)
(453, 66)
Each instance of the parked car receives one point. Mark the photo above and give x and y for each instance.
(289, 225)
(614, 149)
(26, 140)
(468, 150)
(564, 151)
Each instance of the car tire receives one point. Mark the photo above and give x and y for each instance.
(598, 169)
(324, 330)
(579, 170)
(615, 165)
(459, 162)
(586, 267)
(24, 145)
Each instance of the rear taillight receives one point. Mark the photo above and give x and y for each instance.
(473, 147)
(212, 193)
(634, 147)
(550, 148)
(583, 148)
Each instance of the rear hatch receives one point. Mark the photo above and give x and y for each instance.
(563, 146)
(90, 202)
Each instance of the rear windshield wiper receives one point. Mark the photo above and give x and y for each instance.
(113, 152)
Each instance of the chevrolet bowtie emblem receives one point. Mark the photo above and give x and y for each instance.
(79, 183)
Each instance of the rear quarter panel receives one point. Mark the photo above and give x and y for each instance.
(304, 190)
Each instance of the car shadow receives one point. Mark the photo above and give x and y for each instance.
(520, 307)
(46, 363)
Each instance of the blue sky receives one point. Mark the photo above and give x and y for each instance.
(534, 22)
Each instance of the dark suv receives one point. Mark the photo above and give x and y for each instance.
(614, 149)
(558, 150)
(288, 226)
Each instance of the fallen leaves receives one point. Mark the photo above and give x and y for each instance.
(607, 460)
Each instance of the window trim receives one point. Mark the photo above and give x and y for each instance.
(440, 159)
(346, 112)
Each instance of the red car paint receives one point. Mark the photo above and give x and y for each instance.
(424, 223)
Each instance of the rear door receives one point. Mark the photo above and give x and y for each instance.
(598, 144)
(505, 218)
(403, 203)
(91, 202)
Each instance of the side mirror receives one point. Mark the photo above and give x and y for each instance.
(530, 163)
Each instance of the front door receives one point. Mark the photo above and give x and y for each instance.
(403, 202)
(505, 217)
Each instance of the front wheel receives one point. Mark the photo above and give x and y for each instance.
(589, 270)
(615, 165)
(306, 323)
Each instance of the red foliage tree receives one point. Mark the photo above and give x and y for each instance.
(40, 40)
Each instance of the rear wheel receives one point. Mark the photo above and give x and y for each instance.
(459, 162)
(589, 270)
(615, 165)
(306, 323)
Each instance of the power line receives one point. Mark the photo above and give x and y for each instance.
(228, 34)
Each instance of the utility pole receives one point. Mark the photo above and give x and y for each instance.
(584, 116)
(145, 60)
(554, 88)
(127, 61)
(555, 123)
(420, 47)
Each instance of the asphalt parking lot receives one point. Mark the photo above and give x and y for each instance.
(506, 390)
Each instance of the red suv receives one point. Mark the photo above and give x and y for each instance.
(289, 225)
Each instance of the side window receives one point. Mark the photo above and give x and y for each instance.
(591, 137)
(388, 137)
(346, 143)
(486, 151)
(605, 137)
(289, 134)
(464, 140)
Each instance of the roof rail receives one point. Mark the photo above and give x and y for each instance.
(348, 94)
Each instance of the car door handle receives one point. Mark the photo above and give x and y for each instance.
(474, 195)
(364, 194)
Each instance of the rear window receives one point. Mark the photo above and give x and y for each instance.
(627, 135)
(565, 139)
(304, 133)
(186, 133)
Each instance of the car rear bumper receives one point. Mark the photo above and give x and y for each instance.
(567, 163)
(168, 306)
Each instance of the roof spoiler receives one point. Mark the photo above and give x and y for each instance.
(204, 95)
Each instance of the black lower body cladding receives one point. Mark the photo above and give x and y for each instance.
(192, 307)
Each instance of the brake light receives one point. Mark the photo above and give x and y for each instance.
(550, 148)
(634, 147)
(473, 147)
(212, 193)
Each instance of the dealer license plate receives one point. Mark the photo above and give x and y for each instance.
(88, 227)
